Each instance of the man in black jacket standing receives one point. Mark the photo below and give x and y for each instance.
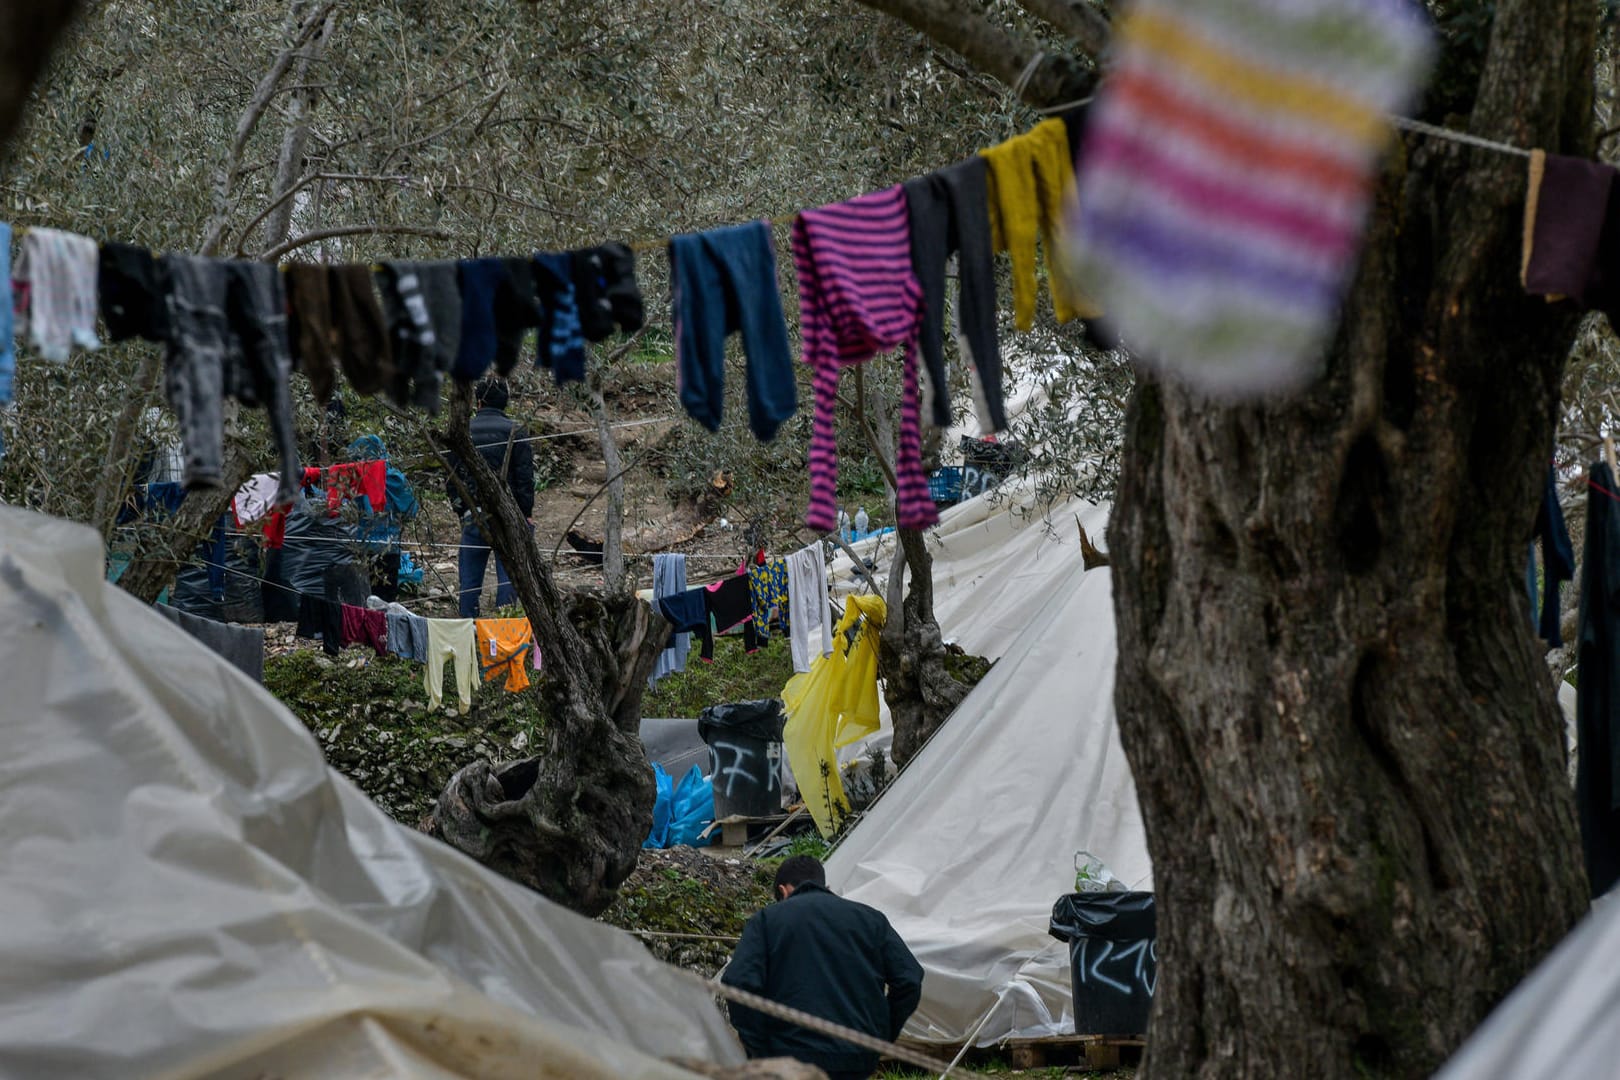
(504, 446)
(829, 957)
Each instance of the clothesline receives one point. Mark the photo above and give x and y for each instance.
(440, 545)
(1463, 137)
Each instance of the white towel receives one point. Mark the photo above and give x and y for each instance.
(808, 604)
(59, 271)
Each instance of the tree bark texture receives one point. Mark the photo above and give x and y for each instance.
(1349, 762)
(919, 689)
(613, 578)
(29, 30)
(568, 822)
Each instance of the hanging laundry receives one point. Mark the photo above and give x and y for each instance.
(357, 479)
(321, 618)
(730, 604)
(949, 212)
(833, 705)
(605, 291)
(422, 302)
(242, 646)
(687, 613)
(363, 626)
(768, 585)
(494, 314)
(518, 313)
(450, 639)
(562, 335)
(504, 646)
(55, 292)
(258, 358)
(1597, 707)
(669, 579)
(1557, 559)
(1031, 180)
(1572, 233)
(407, 634)
(1226, 175)
(721, 282)
(858, 296)
(337, 322)
(133, 298)
(254, 499)
(809, 603)
(8, 344)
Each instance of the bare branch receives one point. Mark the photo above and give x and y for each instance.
(1052, 77)
(313, 178)
(318, 235)
(1077, 20)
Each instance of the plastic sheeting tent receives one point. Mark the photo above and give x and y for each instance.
(969, 848)
(189, 891)
(1563, 1021)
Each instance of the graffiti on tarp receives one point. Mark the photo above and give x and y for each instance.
(1120, 966)
(746, 763)
(978, 481)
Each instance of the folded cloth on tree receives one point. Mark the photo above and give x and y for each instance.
(1226, 174)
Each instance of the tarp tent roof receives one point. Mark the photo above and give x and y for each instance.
(188, 889)
(1563, 1021)
(969, 848)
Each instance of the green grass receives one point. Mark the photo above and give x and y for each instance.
(735, 675)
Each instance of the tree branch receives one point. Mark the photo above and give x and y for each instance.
(350, 230)
(1077, 20)
(1053, 77)
(313, 178)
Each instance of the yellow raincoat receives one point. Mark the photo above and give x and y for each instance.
(834, 704)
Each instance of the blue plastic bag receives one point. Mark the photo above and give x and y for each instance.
(663, 808)
(693, 810)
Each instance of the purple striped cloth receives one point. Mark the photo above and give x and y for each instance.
(858, 297)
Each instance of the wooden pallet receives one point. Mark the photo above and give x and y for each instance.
(1091, 1051)
(734, 829)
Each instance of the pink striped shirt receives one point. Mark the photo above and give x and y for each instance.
(858, 297)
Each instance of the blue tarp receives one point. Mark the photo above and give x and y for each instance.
(681, 812)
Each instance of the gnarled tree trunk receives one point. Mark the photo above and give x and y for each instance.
(568, 822)
(1348, 758)
(918, 688)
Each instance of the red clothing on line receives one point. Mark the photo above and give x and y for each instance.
(351, 480)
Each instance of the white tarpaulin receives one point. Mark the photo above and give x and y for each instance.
(1563, 1021)
(189, 891)
(970, 847)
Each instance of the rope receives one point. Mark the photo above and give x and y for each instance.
(826, 1027)
(686, 937)
(1022, 82)
(1421, 128)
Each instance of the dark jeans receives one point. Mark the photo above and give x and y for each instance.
(470, 566)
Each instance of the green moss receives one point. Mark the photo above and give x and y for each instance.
(370, 715)
(735, 675)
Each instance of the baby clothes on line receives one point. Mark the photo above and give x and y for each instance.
(56, 302)
(857, 297)
(1226, 175)
(450, 639)
(729, 603)
(133, 299)
(363, 626)
(605, 291)
(724, 281)
(407, 634)
(811, 606)
(669, 579)
(950, 216)
(688, 613)
(321, 618)
(562, 333)
(768, 585)
(504, 646)
(422, 303)
(1031, 178)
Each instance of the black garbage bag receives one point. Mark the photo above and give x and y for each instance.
(1105, 916)
(1113, 959)
(762, 720)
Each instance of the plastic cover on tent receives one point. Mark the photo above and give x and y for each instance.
(189, 891)
(1563, 1021)
(968, 849)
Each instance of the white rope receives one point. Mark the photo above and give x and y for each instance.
(1463, 137)
(1020, 83)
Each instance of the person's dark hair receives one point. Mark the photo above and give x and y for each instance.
(798, 869)
(491, 393)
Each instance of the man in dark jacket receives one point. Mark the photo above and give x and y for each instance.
(827, 956)
(504, 446)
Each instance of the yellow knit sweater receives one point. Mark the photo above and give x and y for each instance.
(1031, 177)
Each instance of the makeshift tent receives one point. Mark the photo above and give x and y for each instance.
(190, 891)
(968, 849)
(1563, 1022)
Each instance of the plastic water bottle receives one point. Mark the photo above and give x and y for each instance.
(861, 522)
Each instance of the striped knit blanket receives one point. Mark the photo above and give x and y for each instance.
(1225, 177)
(858, 296)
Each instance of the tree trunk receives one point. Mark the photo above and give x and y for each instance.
(29, 30)
(919, 689)
(1348, 759)
(613, 579)
(570, 821)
